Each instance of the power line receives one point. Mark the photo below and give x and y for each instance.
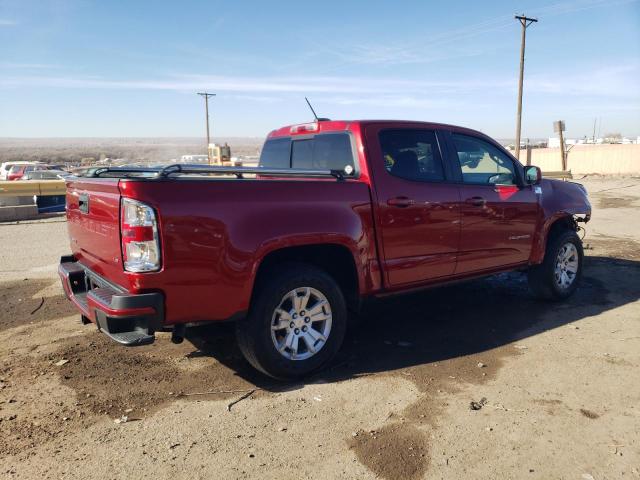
(525, 22)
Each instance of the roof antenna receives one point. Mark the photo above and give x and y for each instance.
(321, 119)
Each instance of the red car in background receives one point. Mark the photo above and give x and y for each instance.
(17, 171)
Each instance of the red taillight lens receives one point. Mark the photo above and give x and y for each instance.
(139, 233)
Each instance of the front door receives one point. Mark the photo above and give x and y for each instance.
(499, 213)
(417, 207)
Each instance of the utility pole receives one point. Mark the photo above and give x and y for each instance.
(559, 127)
(206, 109)
(525, 22)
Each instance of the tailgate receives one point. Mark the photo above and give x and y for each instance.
(93, 219)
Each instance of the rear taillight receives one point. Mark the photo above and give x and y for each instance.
(139, 233)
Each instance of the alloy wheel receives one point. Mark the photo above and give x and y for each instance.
(301, 323)
(567, 264)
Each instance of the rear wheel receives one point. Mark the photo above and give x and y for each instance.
(557, 277)
(296, 323)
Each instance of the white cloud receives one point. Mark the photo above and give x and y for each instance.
(256, 98)
(615, 81)
(253, 84)
(387, 55)
(618, 80)
(396, 101)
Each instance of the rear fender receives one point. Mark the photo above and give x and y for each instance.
(366, 267)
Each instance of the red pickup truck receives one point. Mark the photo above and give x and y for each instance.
(336, 212)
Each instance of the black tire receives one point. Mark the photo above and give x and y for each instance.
(542, 279)
(254, 332)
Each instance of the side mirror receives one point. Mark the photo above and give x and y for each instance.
(532, 175)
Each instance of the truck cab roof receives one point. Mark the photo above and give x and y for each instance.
(324, 126)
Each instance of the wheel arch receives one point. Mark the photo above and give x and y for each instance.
(336, 259)
(555, 224)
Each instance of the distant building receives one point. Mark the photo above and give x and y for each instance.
(194, 159)
(553, 142)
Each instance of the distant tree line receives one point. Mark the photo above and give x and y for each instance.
(78, 151)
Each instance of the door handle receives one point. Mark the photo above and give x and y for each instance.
(83, 203)
(476, 201)
(401, 202)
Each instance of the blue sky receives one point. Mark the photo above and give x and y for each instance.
(73, 68)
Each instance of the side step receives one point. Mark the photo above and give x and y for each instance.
(131, 339)
(130, 320)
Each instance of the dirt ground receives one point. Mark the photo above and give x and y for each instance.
(556, 386)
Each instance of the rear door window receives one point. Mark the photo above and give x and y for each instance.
(412, 154)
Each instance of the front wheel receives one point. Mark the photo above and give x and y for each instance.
(296, 323)
(557, 277)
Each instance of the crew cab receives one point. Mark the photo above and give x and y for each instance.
(335, 213)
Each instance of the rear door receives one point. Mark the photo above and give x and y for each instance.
(417, 204)
(499, 213)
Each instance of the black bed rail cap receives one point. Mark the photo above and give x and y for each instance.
(177, 168)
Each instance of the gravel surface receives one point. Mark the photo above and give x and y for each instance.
(471, 381)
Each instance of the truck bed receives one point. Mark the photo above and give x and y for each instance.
(214, 231)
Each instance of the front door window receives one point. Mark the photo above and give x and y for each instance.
(482, 163)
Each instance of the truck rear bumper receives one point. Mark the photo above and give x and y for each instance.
(129, 319)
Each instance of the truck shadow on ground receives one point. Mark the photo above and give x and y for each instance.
(447, 323)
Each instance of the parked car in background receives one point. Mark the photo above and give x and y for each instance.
(336, 213)
(84, 171)
(17, 171)
(6, 167)
(45, 175)
(56, 166)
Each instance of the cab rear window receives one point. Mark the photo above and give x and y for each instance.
(276, 153)
(328, 151)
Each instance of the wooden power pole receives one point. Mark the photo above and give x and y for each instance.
(206, 109)
(525, 22)
(558, 127)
